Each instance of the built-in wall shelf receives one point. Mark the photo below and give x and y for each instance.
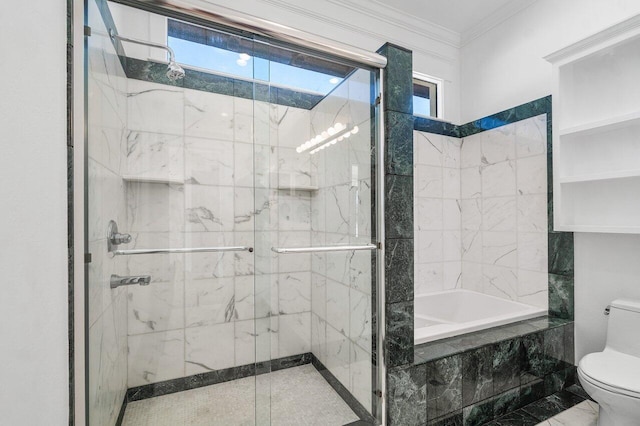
(602, 126)
(153, 179)
(618, 174)
(596, 132)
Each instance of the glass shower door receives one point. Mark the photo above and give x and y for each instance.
(315, 257)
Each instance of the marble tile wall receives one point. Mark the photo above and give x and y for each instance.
(341, 214)
(107, 317)
(482, 208)
(437, 206)
(474, 379)
(198, 313)
(504, 212)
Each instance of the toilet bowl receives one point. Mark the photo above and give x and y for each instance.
(612, 377)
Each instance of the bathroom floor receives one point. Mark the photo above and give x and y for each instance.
(294, 396)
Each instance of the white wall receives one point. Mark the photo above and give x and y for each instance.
(505, 67)
(607, 268)
(33, 240)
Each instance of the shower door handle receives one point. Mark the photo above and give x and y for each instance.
(181, 250)
(325, 249)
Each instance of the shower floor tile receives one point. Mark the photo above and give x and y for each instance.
(294, 396)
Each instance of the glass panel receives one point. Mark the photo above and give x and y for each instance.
(231, 337)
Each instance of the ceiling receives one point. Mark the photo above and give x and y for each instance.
(461, 16)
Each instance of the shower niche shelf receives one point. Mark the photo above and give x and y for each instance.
(596, 132)
(294, 188)
(153, 179)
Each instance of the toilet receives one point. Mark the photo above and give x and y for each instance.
(612, 377)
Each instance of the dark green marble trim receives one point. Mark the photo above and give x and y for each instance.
(207, 82)
(423, 124)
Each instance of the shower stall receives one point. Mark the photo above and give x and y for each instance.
(232, 223)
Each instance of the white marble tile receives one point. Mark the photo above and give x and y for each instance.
(208, 115)
(498, 145)
(428, 214)
(243, 114)
(427, 149)
(499, 281)
(337, 263)
(294, 334)
(318, 295)
(244, 261)
(245, 342)
(109, 147)
(164, 268)
(531, 136)
(294, 262)
(361, 375)
(360, 96)
(451, 246)
(499, 180)
(472, 278)
(155, 357)
(471, 214)
(243, 167)
(107, 200)
(155, 155)
(451, 185)
(360, 271)
(209, 161)
(451, 215)
(337, 209)
(533, 288)
(451, 152)
(532, 251)
(319, 338)
(155, 307)
(429, 277)
(532, 213)
(532, 175)
(499, 214)
(294, 292)
(472, 246)
(294, 211)
(266, 338)
(360, 319)
(100, 295)
(338, 306)
(293, 126)
(209, 301)
(428, 182)
(338, 347)
(209, 265)
(209, 348)
(452, 277)
(208, 208)
(499, 249)
(470, 183)
(429, 246)
(154, 207)
(294, 168)
(244, 297)
(583, 414)
(155, 108)
(471, 153)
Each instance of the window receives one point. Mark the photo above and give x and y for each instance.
(427, 96)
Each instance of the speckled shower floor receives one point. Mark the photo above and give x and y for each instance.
(294, 396)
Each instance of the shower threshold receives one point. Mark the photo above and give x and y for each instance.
(298, 395)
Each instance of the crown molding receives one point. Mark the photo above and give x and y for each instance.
(610, 35)
(496, 18)
(352, 5)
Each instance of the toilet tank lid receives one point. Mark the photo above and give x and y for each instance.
(626, 304)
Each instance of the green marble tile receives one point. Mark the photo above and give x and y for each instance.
(399, 143)
(561, 296)
(399, 270)
(560, 253)
(400, 317)
(398, 79)
(407, 404)
(399, 207)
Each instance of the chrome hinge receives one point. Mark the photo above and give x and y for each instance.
(379, 245)
(607, 310)
(87, 31)
(377, 102)
(87, 258)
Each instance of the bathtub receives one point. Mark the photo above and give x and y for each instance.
(453, 312)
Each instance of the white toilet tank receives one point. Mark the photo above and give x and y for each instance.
(623, 331)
